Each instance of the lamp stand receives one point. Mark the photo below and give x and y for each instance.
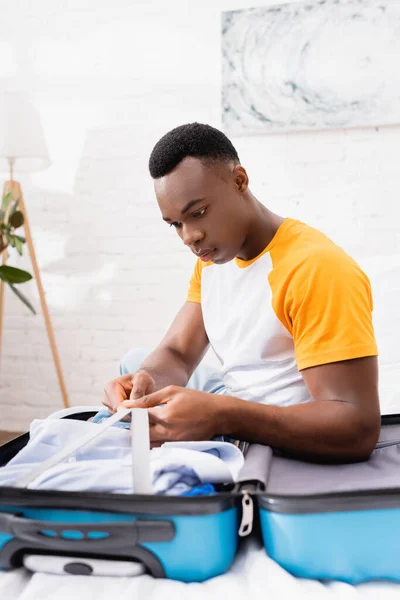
(15, 187)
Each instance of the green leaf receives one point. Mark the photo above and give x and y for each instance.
(16, 219)
(13, 275)
(23, 298)
(2, 215)
(14, 207)
(10, 239)
(6, 201)
(20, 238)
(18, 245)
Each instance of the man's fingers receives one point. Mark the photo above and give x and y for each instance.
(154, 399)
(108, 399)
(116, 391)
(155, 445)
(158, 434)
(141, 384)
(156, 415)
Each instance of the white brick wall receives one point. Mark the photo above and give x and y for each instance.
(110, 78)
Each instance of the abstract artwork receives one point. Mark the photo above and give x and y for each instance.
(311, 65)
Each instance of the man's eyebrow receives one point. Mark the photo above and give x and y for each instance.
(186, 207)
(190, 204)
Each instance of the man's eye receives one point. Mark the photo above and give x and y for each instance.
(176, 225)
(199, 213)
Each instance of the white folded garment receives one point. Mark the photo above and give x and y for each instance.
(105, 463)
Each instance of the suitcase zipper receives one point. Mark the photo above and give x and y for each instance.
(246, 524)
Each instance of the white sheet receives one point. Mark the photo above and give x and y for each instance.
(253, 576)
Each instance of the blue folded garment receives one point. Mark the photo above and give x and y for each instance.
(103, 414)
(201, 490)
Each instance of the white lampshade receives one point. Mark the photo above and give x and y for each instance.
(21, 134)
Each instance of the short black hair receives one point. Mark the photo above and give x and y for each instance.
(193, 139)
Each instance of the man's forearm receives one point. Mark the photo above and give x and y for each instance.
(323, 430)
(166, 367)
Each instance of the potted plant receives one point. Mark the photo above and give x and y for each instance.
(11, 219)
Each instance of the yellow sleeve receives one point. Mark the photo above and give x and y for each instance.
(194, 293)
(328, 309)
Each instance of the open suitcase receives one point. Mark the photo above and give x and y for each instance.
(183, 538)
(318, 521)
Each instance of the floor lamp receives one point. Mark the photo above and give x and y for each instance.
(23, 147)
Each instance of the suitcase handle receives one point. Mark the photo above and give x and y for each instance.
(92, 537)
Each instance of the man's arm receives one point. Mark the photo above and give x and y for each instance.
(341, 423)
(172, 362)
(181, 350)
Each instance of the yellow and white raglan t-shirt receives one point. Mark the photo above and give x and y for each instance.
(302, 302)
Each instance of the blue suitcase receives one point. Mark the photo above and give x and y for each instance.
(334, 522)
(189, 539)
(329, 522)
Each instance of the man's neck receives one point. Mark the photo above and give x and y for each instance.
(263, 225)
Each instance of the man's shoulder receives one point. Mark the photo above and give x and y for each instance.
(311, 258)
(306, 246)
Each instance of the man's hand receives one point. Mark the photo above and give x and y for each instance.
(177, 414)
(127, 387)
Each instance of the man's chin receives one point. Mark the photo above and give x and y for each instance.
(222, 260)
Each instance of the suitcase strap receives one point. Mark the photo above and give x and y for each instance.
(140, 440)
(386, 443)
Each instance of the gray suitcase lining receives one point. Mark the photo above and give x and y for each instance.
(295, 486)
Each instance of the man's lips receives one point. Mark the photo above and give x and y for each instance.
(206, 254)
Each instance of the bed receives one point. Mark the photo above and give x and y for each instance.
(252, 575)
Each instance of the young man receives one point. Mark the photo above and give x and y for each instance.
(287, 312)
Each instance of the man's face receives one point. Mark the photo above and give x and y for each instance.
(207, 207)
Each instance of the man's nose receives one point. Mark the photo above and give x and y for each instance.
(191, 235)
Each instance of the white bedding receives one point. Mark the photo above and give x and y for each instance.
(253, 576)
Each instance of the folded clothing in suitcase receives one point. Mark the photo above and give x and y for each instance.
(340, 521)
(105, 463)
(184, 538)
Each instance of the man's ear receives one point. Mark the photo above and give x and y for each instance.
(241, 179)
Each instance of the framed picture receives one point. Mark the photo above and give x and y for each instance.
(311, 65)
